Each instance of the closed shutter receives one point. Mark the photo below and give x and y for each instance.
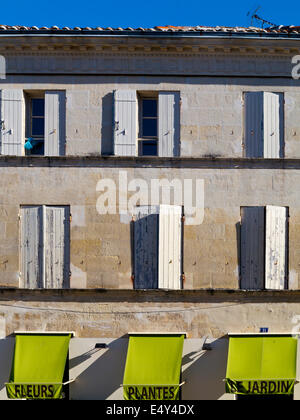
(276, 247)
(56, 244)
(254, 124)
(252, 248)
(55, 110)
(168, 124)
(146, 248)
(31, 247)
(273, 125)
(170, 247)
(13, 119)
(45, 242)
(125, 123)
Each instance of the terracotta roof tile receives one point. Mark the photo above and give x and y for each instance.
(168, 28)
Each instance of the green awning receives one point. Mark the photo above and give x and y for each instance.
(261, 365)
(38, 366)
(153, 367)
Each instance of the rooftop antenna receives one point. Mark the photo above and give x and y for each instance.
(255, 17)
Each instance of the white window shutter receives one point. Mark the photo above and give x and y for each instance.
(12, 115)
(56, 247)
(125, 123)
(146, 248)
(55, 132)
(254, 124)
(276, 247)
(168, 124)
(273, 125)
(170, 249)
(31, 239)
(252, 248)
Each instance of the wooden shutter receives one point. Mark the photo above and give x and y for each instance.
(125, 123)
(254, 124)
(146, 248)
(12, 113)
(168, 124)
(55, 110)
(31, 247)
(273, 125)
(170, 218)
(276, 247)
(56, 247)
(252, 248)
(45, 243)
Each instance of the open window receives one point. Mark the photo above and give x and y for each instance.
(148, 125)
(35, 124)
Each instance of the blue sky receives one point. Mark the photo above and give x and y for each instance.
(135, 13)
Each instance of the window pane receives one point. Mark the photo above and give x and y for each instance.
(37, 127)
(149, 108)
(38, 107)
(149, 148)
(149, 128)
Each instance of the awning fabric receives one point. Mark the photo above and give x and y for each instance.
(153, 367)
(261, 365)
(38, 366)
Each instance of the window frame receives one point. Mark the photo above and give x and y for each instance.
(29, 97)
(142, 139)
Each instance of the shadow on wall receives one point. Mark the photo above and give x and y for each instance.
(104, 375)
(100, 372)
(238, 227)
(205, 372)
(6, 357)
(107, 147)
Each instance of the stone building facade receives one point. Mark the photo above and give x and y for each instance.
(236, 252)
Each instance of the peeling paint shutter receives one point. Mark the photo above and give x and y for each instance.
(125, 123)
(13, 116)
(276, 247)
(168, 124)
(252, 248)
(254, 124)
(56, 244)
(45, 242)
(55, 110)
(170, 247)
(146, 248)
(31, 247)
(273, 125)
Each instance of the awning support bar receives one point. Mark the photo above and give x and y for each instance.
(182, 383)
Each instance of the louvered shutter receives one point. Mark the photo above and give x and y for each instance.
(55, 110)
(146, 248)
(254, 124)
(12, 115)
(276, 247)
(125, 123)
(56, 247)
(252, 248)
(273, 125)
(170, 236)
(168, 124)
(31, 247)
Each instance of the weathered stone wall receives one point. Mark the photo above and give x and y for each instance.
(211, 115)
(112, 314)
(101, 255)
